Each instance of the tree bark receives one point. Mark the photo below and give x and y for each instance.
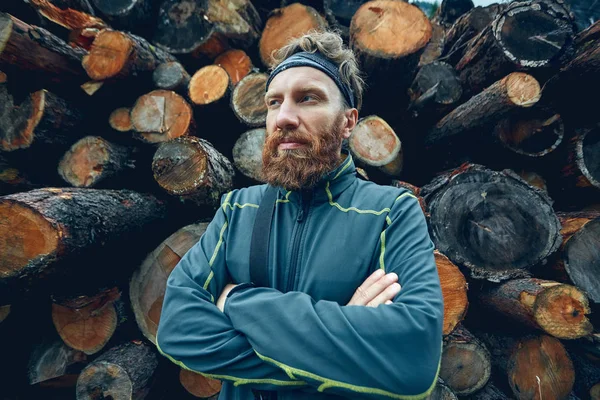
(339, 14)
(237, 64)
(454, 291)
(248, 100)
(171, 76)
(435, 90)
(450, 10)
(247, 153)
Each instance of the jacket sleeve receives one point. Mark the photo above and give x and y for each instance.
(195, 334)
(392, 351)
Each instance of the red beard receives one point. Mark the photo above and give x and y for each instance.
(301, 168)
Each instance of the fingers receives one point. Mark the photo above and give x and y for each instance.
(373, 286)
(386, 296)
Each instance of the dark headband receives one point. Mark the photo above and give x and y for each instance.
(318, 61)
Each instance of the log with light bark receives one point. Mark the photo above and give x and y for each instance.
(248, 100)
(171, 76)
(51, 360)
(247, 153)
(285, 23)
(558, 309)
(434, 91)
(514, 91)
(450, 10)
(209, 85)
(530, 35)
(198, 385)
(237, 64)
(162, 115)
(473, 224)
(537, 367)
(41, 119)
(120, 119)
(30, 48)
(466, 365)
(454, 291)
(132, 15)
(122, 372)
(191, 168)
(116, 54)
(93, 160)
(442, 392)
(374, 143)
(587, 377)
(40, 229)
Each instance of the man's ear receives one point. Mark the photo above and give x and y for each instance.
(350, 120)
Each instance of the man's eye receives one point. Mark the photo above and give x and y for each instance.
(309, 97)
(272, 102)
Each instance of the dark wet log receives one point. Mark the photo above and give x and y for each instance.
(582, 169)
(162, 115)
(339, 14)
(237, 64)
(466, 365)
(171, 76)
(558, 309)
(15, 179)
(537, 367)
(116, 54)
(42, 119)
(136, 16)
(433, 49)
(120, 119)
(454, 291)
(374, 143)
(534, 179)
(517, 90)
(442, 392)
(30, 48)
(587, 377)
(489, 392)
(199, 385)
(472, 223)
(248, 100)
(450, 10)
(87, 323)
(92, 160)
(586, 12)
(52, 359)
(191, 168)
(285, 23)
(247, 153)
(123, 372)
(528, 35)
(434, 91)
(209, 85)
(40, 230)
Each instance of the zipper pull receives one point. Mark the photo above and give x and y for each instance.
(300, 215)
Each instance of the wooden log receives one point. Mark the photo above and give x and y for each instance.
(116, 54)
(69, 18)
(528, 35)
(42, 119)
(123, 372)
(52, 359)
(162, 115)
(132, 15)
(442, 392)
(558, 309)
(34, 49)
(191, 168)
(247, 153)
(586, 12)
(171, 76)
(213, 46)
(198, 385)
(516, 90)
(472, 224)
(454, 291)
(537, 367)
(237, 64)
(489, 392)
(450, 10)
(40, 230)
(433, 49)
(284, 24)
(248, 100)
(15, 179)
(339, 14)
(582, 167)
(92, 160)
(587, 377)
(374, 143)
(120, 119)
(209, 85)
(434, 91)
(466, 365)
(534, 179)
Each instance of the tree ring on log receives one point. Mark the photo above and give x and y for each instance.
(237, 64)
(588, 155)
(374, 142)
(581, 256)
(532, 135)
(248, 99)
(454, 357)
(97, 375)
(247, 153)
(208, 84)
(180, 179)
(493, 223)
(120, 119)
(454, 291)
(522, 89)
(108, 56)
(198, 385)
(561, 311)
(84, 163)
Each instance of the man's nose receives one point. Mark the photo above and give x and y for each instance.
(287, 116)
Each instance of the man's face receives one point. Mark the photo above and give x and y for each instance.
(306, 124)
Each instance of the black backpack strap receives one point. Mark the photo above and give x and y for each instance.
(259, 244)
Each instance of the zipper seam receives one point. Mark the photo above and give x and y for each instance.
(299, 231)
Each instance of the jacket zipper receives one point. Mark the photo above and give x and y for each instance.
(297, 238)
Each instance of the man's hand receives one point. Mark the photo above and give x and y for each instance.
(223, 296)
(377, 289)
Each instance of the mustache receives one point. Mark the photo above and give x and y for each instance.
(286, 136)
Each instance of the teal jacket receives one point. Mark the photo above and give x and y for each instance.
(298, 337)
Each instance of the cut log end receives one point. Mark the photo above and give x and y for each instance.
(108, 55)
(3, 77)
(84, 163)
(588, 156)
(161, 115)
(247, 153)
(120, 119)
(19, 122)
(374, 142)
(209, 84)
(561, 311)
(247, 100)
(523, 89)
(199, 385)
(104, 380)
(170, 76)
(237, 64)
(454, 291)
(582, 259)
(534, 136)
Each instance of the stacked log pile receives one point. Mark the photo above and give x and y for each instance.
(123, 123)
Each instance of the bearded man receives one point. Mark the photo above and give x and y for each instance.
(329, 319)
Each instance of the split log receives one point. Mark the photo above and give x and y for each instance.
(472, 223)
(248, 100)
(284, 24)
(466, 365)
(92, 160)
(247, 153)
(517, 90)
(489, 392)
(558, 309)
(30, 48)
(237, 64)
(374, 143)
(450, 10)
(39, 229)
(339, 14)
(52, 359)
(162, 115)
(191, 168)
(537, 367)
(42, 119)
(442, 392)
(209, 85)
(529, 35)
(587, 377)
(454, 292)
(199, 385)
(434, 91)
(117, 54)
(123, 372)
(120, 119)
(131, 15)
(171, 76)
